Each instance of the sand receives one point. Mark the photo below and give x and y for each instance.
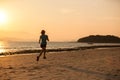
(90, 64)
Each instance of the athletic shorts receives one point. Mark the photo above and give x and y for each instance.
(43, 45)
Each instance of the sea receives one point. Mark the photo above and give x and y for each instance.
(26, 47)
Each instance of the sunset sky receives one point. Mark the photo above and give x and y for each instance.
(63, 20)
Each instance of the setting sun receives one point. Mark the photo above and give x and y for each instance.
(63, 20)
(3, 17)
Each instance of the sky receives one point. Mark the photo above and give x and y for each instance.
(63, 20)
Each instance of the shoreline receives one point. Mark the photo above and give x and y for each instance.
(60, 49)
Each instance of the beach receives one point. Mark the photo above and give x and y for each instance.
(89, 64)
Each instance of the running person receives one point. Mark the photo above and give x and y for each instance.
(43, 42)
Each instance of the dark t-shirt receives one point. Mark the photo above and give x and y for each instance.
(43, 39)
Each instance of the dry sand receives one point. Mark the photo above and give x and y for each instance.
(91, 64)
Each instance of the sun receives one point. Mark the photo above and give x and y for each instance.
(3, 17)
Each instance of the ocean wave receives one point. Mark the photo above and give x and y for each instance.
(57, 50)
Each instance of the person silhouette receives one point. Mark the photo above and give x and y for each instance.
(43, 43)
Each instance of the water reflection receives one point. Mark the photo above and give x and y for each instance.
(2, 44)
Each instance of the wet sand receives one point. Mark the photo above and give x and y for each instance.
(89, 64)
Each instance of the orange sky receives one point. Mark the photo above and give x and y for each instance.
(64, 20)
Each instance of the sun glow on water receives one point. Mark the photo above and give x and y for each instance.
(2, 50)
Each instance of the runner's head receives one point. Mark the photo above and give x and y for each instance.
(43, 32)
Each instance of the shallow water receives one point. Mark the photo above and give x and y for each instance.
(24, 47)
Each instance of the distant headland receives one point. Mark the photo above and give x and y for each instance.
(100, 39)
